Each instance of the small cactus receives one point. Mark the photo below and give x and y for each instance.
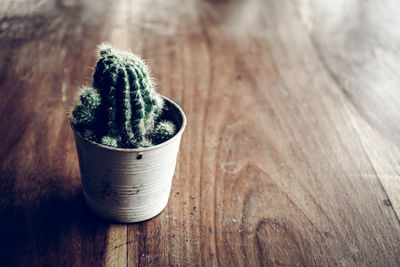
(164, 131)
(109, 141)
(83, 116)
(89, 97)
(121, 108)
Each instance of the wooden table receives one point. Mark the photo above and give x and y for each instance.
(290, 157)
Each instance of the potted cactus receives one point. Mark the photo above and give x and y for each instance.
(127, 138)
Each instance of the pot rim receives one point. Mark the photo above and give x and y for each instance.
(136, 150)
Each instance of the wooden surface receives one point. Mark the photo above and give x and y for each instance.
(290, 157)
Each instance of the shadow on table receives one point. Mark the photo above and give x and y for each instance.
(48, 224)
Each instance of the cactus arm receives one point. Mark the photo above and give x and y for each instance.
(163, 131)
(89, 97)
(82, 116)
(85, 113)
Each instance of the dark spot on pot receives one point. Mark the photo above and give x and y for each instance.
(194, 208)
(139, 157)
(133, 192)
(239, 77)
(177, 193)
(387, 202)
(327, 234)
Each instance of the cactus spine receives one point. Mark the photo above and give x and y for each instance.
(122, 106)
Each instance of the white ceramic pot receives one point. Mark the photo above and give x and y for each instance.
(129, 185)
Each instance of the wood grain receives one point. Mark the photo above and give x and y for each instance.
(290, 156)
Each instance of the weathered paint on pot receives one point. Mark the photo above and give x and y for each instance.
(129, 185)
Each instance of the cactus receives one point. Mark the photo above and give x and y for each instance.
(109, 141)
(122, 107)
(89, 97)
(83, 116)
(164, 131)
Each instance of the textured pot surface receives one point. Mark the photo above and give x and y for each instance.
(129, 185)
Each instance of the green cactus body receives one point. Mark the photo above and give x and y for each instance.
(130, 103)
(122, 106)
